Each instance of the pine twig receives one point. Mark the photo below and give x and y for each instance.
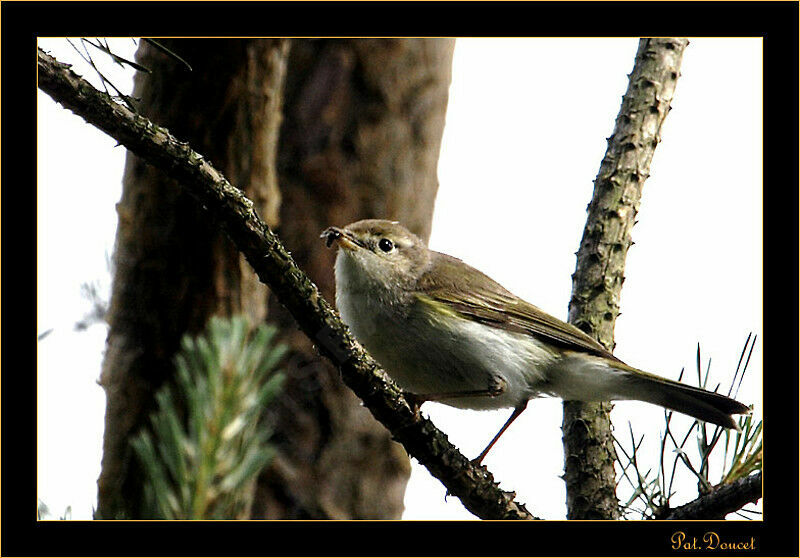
(746, 454)
(201, 461)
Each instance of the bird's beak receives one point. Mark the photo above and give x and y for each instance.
(342, 237)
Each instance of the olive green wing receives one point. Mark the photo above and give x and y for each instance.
(472, 295)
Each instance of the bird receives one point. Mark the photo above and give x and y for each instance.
(446, 332)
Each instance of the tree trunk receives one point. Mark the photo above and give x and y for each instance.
(588, 442)
(174, 269)
(361, 136)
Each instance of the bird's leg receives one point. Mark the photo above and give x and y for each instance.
(496, 387)
(517, 412)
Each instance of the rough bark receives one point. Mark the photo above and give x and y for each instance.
(594, 306)
(173, 268)
(274, 266)
(364, 125)
(361, 137)
(721, 501)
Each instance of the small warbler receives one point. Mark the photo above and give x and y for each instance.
(444, 331)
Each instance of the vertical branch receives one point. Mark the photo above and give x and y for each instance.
(597, 282)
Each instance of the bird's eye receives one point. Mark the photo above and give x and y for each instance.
(385, 244)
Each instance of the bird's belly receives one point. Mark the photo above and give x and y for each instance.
(427, 353)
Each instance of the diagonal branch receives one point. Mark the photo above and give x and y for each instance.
(726, 499)
(275, 267)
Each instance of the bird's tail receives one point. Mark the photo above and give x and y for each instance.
(704, 405)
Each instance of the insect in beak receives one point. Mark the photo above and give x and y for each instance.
(342, 237)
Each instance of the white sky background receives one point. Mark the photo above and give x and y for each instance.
(526, 126)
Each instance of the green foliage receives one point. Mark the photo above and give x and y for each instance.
(746, 454)
(207, 444)
(652, 489)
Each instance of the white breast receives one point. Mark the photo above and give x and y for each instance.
(427, 353)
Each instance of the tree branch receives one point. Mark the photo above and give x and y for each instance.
(726, 499)
(597, 282)
(474, 486)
